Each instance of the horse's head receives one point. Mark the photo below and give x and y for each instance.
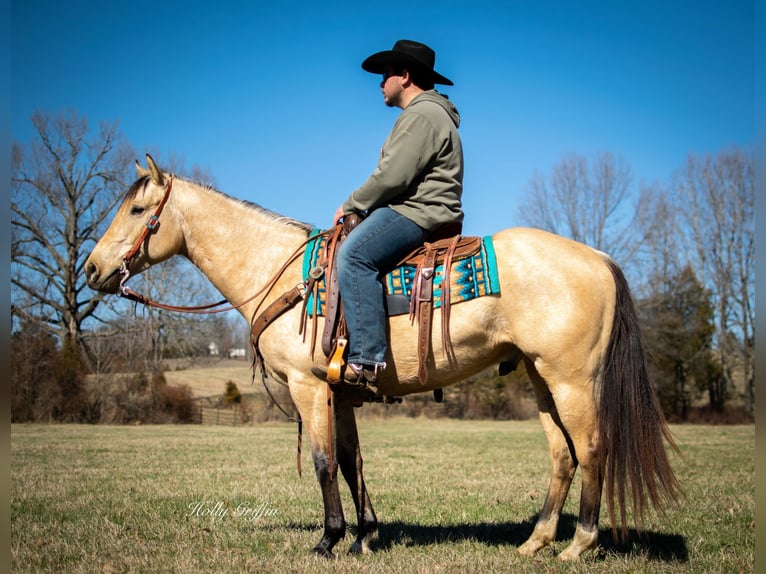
(131, 235)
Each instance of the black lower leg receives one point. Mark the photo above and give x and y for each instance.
(590, 497)
(334, 522)
(350, 461)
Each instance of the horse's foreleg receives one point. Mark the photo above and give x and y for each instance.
(350, 460)
(312, 401)
(563, 464)
(334, 521)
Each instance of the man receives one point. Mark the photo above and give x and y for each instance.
(415, 190)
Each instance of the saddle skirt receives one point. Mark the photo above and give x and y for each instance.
(473, 274)
(440, 273)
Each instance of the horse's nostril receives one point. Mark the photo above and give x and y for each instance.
(90, 271)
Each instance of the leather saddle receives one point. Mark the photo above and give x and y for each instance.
(443, 247)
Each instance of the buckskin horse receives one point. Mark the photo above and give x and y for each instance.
(564, 310)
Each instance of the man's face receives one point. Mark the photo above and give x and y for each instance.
(392, 86)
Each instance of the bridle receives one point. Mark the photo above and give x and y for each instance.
(151, 227)
(260, 320)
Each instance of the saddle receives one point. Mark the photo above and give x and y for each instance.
(444, 246)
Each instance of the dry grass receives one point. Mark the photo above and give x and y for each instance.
(207, 378)
(451, 496)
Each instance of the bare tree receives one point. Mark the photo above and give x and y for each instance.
(165, 333)
(64, 185)
(148, 335)
(716, 200)
(586, 203)
(658, 255)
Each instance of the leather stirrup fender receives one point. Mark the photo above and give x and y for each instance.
(424, 307)
(332, 312)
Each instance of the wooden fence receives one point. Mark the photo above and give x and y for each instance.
(227, 416)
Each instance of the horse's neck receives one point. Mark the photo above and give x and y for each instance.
(238, 246)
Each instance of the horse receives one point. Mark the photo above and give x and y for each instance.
(564, 310)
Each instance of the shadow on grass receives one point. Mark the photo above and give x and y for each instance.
(655, 545)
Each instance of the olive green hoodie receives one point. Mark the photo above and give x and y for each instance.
(420, 170)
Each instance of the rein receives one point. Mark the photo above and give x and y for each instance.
(258, 324)
(151, 226)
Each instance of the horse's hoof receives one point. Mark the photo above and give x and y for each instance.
(358, 548)
(362, 545)
(529, 548)
(322, 552)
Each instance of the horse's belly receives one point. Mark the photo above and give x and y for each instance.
(477, 341)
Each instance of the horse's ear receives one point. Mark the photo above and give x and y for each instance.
(157, 176)
(141, 171)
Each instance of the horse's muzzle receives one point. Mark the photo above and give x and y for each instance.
(97, 282)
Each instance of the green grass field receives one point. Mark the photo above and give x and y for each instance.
(451, 496)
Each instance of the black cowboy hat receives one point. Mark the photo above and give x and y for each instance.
(406, 53)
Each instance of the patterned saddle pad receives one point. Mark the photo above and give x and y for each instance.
(470, 277)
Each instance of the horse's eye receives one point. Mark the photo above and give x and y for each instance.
(136, 210)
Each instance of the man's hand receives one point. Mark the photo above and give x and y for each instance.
(338, 215)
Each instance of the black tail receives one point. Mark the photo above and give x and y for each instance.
(631, 423)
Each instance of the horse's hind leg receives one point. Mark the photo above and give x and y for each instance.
(569, 422)
(350, 461)
(563, 464)
(580, 420)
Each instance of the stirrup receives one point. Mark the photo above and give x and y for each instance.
(347, 377)
(352, 374)
(335, 363)
(366, 373)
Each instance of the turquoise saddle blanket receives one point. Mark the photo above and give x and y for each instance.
(470, 277)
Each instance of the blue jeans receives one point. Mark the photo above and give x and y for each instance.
(366, 255)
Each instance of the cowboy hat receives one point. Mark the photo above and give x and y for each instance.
(406, 53)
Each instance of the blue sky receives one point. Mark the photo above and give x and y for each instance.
(271, 99)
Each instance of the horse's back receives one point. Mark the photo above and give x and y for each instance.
(522, 244)
(557, 294)
(526, 256)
